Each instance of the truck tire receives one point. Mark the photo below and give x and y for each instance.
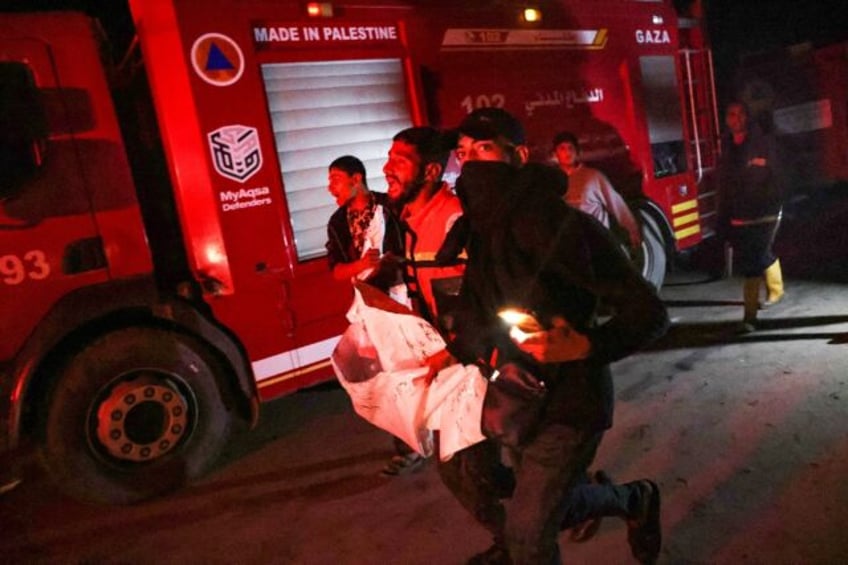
(652, 258)
(134, 414)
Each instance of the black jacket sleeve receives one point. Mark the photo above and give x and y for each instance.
(338, 239)
(638, 315)
(584, 261)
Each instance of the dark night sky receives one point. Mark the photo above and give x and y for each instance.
(751, 25)
(735, 26)
(748, 25)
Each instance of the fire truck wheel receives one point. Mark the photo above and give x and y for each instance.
(652, 257)
(136, 413)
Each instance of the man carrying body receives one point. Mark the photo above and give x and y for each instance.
(527, 249)
(365, 242)
(428, 208)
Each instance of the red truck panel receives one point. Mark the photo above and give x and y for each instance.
(225, 159)
(52, 218)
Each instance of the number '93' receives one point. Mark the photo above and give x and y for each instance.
(16, 269)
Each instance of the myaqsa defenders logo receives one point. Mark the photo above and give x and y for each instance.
(217, 59)
(235, 152)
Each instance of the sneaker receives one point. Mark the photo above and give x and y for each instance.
(772, 301)
(404, 464)
(644, 532)
(495, 555)
(585, 531)
(9, 484)
(746, 327)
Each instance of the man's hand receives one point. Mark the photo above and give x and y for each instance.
(370, 259)
(438, 361)
(559, 344)
(390, 258)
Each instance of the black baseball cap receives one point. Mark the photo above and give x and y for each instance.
(491, 123)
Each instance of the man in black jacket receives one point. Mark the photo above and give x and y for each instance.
(364, 237)
(750, 204)
(365, 242)
(527, 249)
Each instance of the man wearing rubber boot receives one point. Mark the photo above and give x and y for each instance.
(750, 208)
(527, 248)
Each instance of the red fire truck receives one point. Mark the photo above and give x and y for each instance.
(161, 277)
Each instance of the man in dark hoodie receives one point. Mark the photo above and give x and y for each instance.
(527, 249)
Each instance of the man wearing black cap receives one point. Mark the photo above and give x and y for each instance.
(491, 134)
(528, 249)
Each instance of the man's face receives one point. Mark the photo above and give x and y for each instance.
(470, 149)
(736, 119)
(566, 154)
(343, 186)
(404, 173)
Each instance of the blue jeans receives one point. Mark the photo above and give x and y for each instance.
(548, 492)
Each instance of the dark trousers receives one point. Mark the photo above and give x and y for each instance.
(549, 490)
(752, 247)
(401, 447)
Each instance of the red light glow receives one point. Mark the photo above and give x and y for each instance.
(319, 10)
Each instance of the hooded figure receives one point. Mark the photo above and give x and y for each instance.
(528, 249)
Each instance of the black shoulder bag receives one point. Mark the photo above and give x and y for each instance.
(512, 405)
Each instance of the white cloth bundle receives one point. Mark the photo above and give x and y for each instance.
(380, 362)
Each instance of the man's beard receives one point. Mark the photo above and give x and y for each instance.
(410, 193)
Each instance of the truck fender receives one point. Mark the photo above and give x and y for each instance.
(87, 312)
(646, 206)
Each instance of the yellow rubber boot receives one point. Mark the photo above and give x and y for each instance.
(751, 296)
(774, 284)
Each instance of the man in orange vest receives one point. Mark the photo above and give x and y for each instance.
(429, 209)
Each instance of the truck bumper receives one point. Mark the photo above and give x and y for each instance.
(5, 407)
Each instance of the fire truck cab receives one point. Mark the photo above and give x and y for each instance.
(160, 278)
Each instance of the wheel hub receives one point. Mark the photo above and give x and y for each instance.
(142, 420)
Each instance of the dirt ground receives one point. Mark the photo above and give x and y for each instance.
(747, 436)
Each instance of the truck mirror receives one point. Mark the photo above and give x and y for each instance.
(23, 126)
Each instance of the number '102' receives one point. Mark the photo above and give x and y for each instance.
(471, 103)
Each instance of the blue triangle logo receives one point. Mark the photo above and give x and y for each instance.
(217, 61)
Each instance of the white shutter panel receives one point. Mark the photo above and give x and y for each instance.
(323, 110)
